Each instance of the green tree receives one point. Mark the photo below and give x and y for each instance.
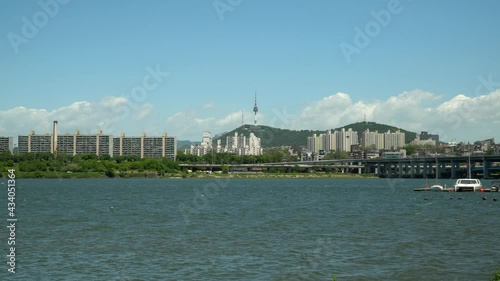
(105, 157)
(5, 156)
(137, 165)
(124, 166)
(496, 276)
(110, 173)
(170, 165)
(410, 149)
(151, 164)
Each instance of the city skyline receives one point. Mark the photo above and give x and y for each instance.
(185, 67)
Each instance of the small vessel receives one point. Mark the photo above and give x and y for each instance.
(437, 186)
(495, 186)
(468, 184)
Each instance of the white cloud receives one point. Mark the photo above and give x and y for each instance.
(462, 118)
(109, 114)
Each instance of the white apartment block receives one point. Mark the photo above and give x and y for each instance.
(238, 144)
(394, 141)
(203, 148)
(243, 145)
(338, 141)
(389, 140)
(373, 138)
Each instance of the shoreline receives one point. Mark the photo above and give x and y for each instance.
(154, 175)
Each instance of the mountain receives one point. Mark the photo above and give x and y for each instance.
(274, 137)
(181, 144)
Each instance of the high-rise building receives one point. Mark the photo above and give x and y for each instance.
(34, 143)
(394, 140)
(241, 145)
(66, 144)
(254, 145)
(6, 144)
(77, 143)
(345, 139)
(98, 144)
(203, 148)
(375, 139)
(314, 143)
(389, 140)
(127, 146)
(145, 147)
(337, 141)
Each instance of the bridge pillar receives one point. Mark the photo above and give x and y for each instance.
(486, 168)
(400, 168)
(453, 169)
(367, 169)
(439, 169)
(412, 170)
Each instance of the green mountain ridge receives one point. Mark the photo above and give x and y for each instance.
(275, 137)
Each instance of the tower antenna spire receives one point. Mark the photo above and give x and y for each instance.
(255, 110)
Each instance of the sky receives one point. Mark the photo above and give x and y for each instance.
(188, 66)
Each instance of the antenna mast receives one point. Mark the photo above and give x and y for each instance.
(255, 110)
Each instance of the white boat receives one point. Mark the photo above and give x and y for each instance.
(468, 184)
(437, 186)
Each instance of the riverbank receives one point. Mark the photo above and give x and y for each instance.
(84, 175)
(284, 175)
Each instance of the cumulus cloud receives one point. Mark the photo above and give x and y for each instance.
(109, 114)
(462, 117)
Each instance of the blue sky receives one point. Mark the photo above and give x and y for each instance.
(89, 56)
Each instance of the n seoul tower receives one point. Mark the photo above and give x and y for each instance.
(255, 110)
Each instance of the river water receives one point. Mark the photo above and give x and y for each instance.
(250, 229)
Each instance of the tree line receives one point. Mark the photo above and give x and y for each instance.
(50, 165)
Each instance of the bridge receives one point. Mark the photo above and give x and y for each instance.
(423, 167)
